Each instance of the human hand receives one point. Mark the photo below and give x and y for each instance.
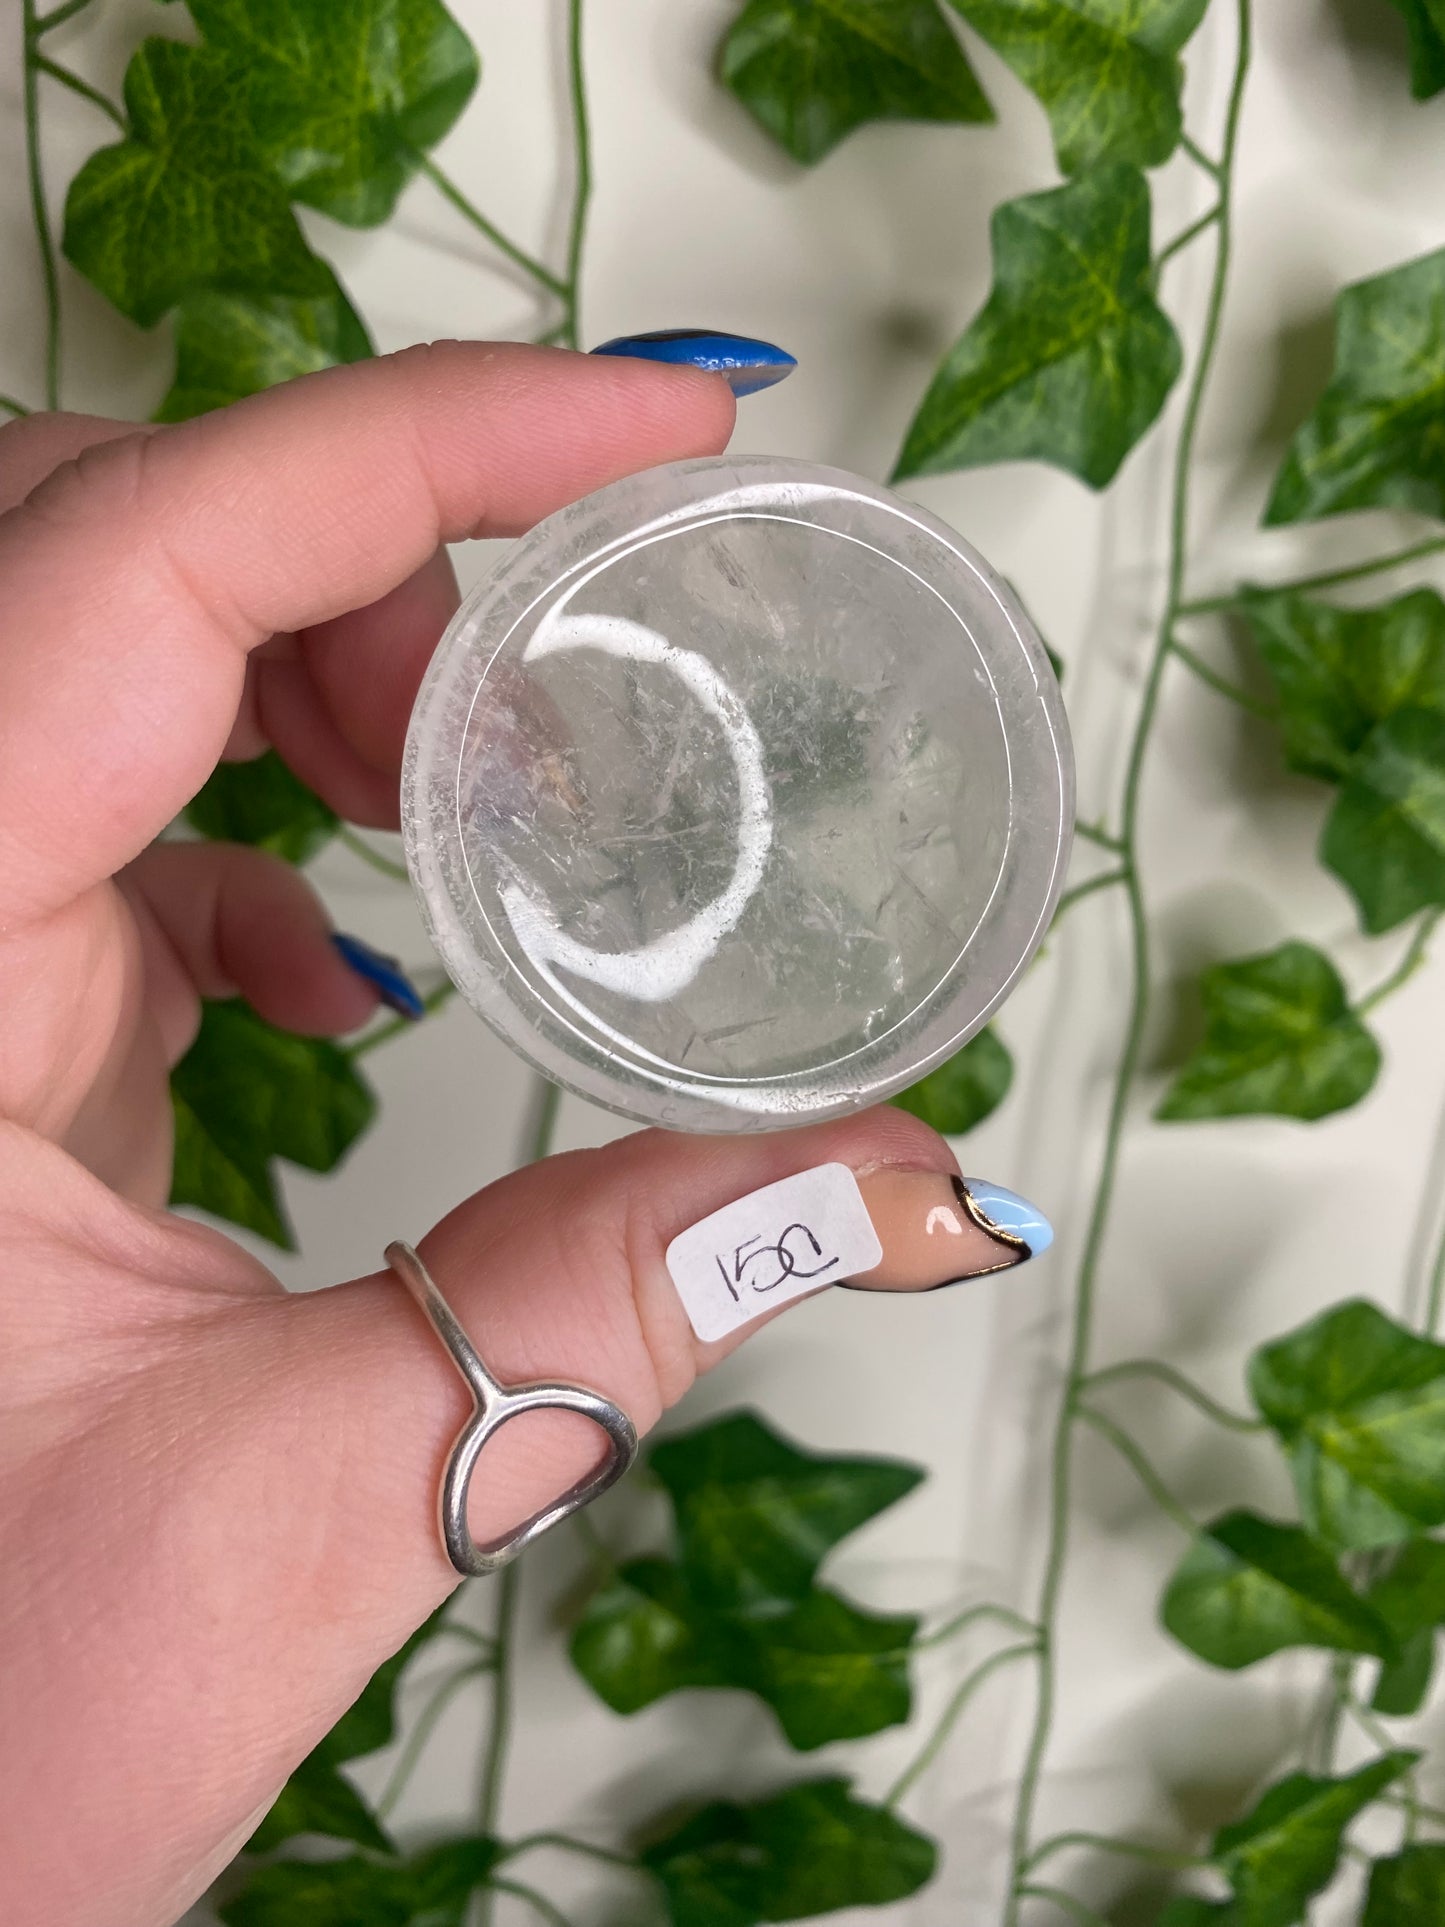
(217, 1500)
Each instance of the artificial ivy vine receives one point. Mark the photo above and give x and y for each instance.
(248, 108)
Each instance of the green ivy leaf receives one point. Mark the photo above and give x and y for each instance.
(229, 345)
(1425, 24)
(1107, 71)
(1192, 1910)
(1362, 703)
(433, 1889)
(317, 1798)
(962, 1092)
(246, 1093)
(828, 1670)
(342, 95)
(1340, 671)
(1403, 1682)
(1410, 1598)
(1377, 437)
(1071, 358)
(1385, 837)
(185, 201)
(1249, 1587)
(756, 1515)
(813, 70)
(810, 1850)
(262, 803)
(1280, 1040)
(1407, 1890)
(1358, 1402)
(1287, 1848)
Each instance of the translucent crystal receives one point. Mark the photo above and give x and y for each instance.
(738, 795)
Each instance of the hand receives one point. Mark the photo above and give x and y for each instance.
(217, 1500)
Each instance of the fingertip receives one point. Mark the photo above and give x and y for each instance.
(383, 973)
(680, 409)
(683, 410)
(244, 923)
(275, 942)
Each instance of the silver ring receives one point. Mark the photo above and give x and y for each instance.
(493, 1404)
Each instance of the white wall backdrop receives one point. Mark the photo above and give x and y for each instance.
(866, 268)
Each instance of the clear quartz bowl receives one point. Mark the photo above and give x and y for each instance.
(739, 795)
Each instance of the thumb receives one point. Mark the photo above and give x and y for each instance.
(560, 1271)
(292, 1541)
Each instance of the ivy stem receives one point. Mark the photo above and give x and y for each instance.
(1107, 1843)
(597, 1547)
(1155, 1368)
(396, 1026)
(1066, 1904)
(16, 408)
(1061, 1458)
(1407, 966)
(1436, 1289)
(81, 87)
(546, 1101)
(1366, 1721)
(1130, 1450)
(545, 1104)
(565, 1843)
(1342, 1672)
(459, 1630)
(1104, 881)
(472, 213)
(359, 847)
(1221, 685)
(1184, 237)
(58, 16)
(1095, 833)
(951, 1714)
(1420, 1808)
(1326, 579)
(539, 1903)
(499, 1734)
(951, 1628)
(422, 1729)
(582, 192)
(40, 213)
(1197, 154)
(1385, 1740)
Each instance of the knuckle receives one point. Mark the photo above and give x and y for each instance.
(99, 481)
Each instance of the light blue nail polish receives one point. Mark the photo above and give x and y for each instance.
(398, 992)
(745, 364)
(1012, 1213)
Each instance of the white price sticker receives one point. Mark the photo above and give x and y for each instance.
(772, 1246)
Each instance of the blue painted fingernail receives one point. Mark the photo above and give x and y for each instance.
(746, 365)
(398, 992)
(1012, 1214)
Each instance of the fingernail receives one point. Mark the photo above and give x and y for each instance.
(398, 992)
(1011, 1214)
(745, 364)
(936, 1230)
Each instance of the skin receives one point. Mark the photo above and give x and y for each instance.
(217, 1500)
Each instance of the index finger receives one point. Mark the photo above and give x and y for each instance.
(135, 579)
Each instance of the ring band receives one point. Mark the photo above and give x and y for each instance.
(493, 1404)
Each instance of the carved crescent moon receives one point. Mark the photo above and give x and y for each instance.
(658, 970)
